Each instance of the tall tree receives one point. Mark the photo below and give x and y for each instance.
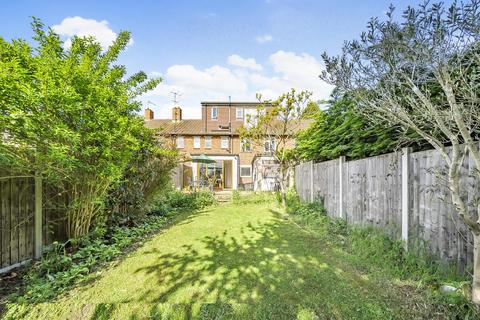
(423, 74)
(275, 127)
(70, 116)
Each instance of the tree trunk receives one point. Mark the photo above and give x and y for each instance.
(283, 191)
(476, 270)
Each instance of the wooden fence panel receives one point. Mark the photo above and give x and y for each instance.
(17, 222)
(326, 185)
(434, 222)
(16, 218)
(372, 195)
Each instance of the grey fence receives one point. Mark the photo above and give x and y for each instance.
(404, 193)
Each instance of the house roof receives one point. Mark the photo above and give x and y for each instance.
(195, 127)
(233, 104)
(187, 126)
(184, 127)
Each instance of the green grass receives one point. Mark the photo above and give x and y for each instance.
(235, 261)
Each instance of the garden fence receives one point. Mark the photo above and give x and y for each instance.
(404, 193)
(30, 217)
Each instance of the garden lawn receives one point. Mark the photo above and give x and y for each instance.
(239, 262)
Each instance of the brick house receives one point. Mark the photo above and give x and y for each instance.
(214, 152)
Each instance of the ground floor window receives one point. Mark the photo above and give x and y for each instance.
(245, 171)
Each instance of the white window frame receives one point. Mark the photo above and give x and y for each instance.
(196, 142)
(226, 140)
(208, 142)
(246, 166)
(216, 113)
(239, 113)
(242, 143)
(180, 141)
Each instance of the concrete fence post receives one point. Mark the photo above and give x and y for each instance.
(341, 211)
(38, 240)
(311, 182)
(405, 194)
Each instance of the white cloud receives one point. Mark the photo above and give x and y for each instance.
(264, 38)
(78, 26)
(300, 71)
(287, 70)
(249, 63)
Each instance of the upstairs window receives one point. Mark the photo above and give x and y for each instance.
(269, 145)
(196, 142)
(239, 113)
(180, 142)
(214, 113)
(208, 142)
(224, 144)
(246, 145)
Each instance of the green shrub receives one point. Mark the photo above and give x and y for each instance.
(181, 201)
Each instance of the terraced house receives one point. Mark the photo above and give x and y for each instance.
(215, 155)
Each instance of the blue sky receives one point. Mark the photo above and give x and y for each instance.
(211, 49)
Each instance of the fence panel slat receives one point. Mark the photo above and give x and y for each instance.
(372, 195)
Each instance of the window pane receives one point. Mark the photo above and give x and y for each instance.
(245, 171)
(224, 144)
(214, 112)
(239, 113)
(208, 142)
(180, 142)
(196, 142)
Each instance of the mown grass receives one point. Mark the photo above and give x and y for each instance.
(238, 261)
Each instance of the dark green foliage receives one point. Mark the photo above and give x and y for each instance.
(342, 130)
(371, 248)
(146, 176)
(181, 201)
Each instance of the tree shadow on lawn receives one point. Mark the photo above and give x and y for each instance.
(270, 271)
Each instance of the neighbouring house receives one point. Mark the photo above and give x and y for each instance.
(214, 153)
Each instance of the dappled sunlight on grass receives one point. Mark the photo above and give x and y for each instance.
(232, 262)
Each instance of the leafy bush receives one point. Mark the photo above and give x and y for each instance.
(370, 247)
(177, 200)
(71, 116)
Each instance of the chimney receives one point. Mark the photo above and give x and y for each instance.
(177, 114)
(148, 114)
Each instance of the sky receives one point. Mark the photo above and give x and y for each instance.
(210, 50)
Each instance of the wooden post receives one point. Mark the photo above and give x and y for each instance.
(38, 242)
(405, 194)
(341, 212)
(311, 182)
